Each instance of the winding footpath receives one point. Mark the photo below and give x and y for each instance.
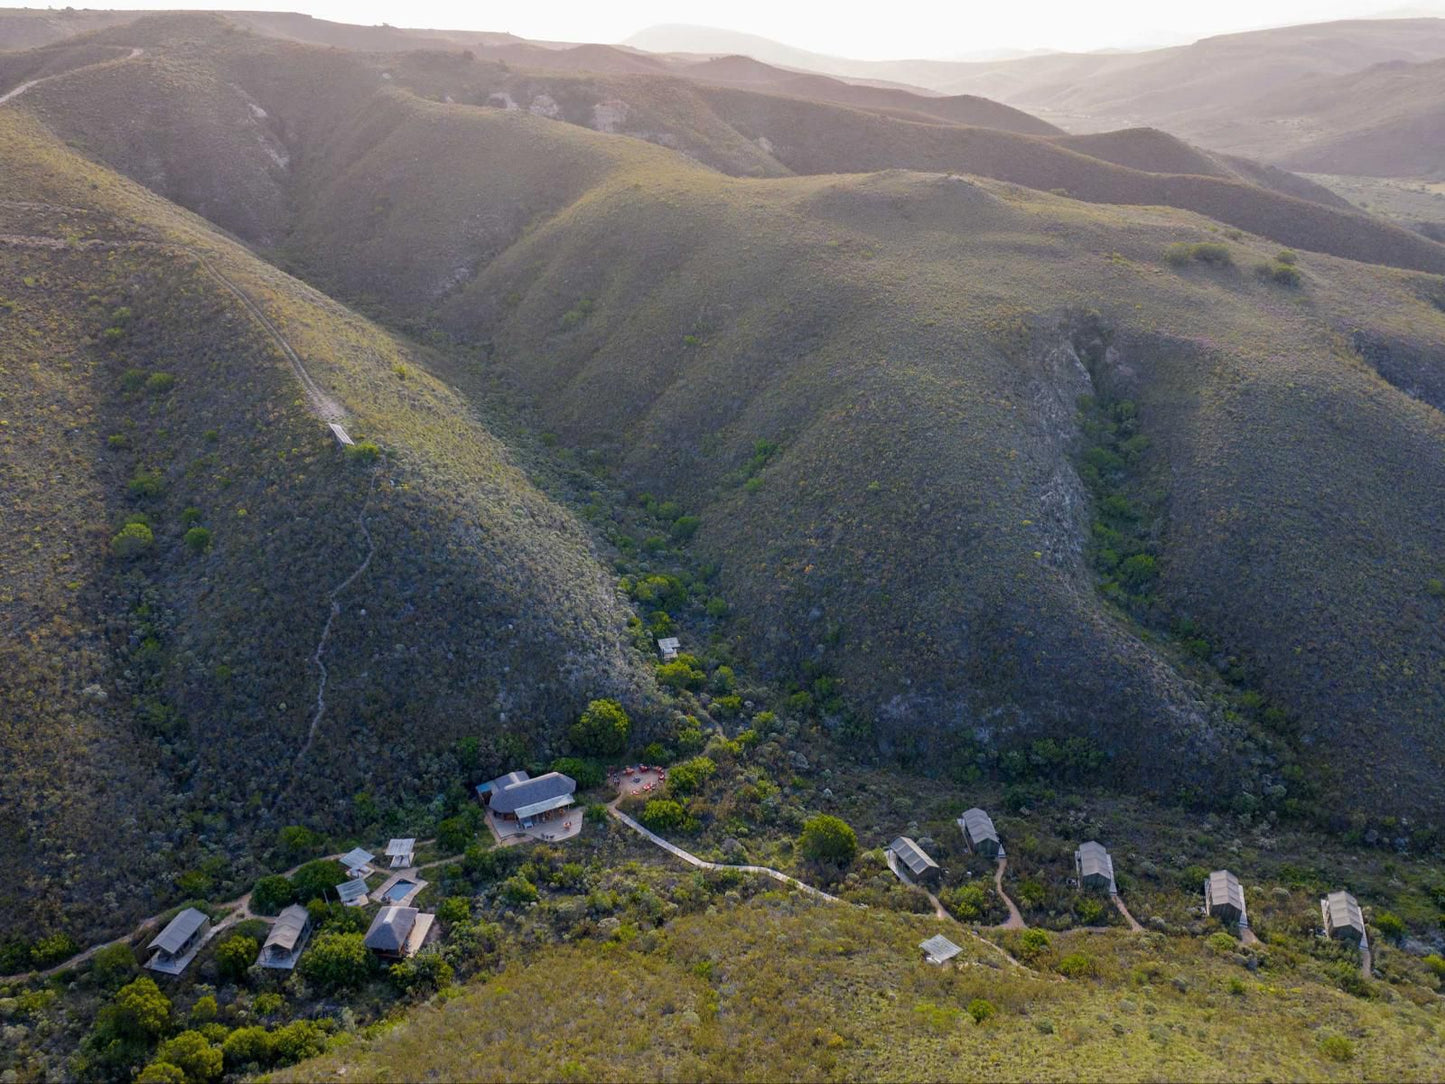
(16, 92)
(694, 860)
(1015, 921)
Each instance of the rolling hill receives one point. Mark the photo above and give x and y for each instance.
(865, 382)
(179, 524)
(641, 300)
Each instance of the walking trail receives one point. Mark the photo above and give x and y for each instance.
(694, 860)
(1015, 921)
(1125, 912)
(11, 95)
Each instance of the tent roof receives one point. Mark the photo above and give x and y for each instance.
(179, 930)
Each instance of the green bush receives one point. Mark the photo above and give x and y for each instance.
(966, 902)
(602, 730)
(133, 380)
(425, 973)
(161, 1072)
(235, 955)
(272, 893)
(517, 890)
(1286, 256)
(1281, 274)
(337, 961)
(198, 539)
(313, 880)
(297, 1041)
(297, 841)
(1337, 1047)
(1212, 252)
(138, 1010)
(113, 963)
(585, 772)
(1179, 253)
(454, 909)
(363, 451)
(1089, 909)
(455, 834)
(246, 1047)
(689, 776)
(194, 1054)
(680, 674)
(663, 815)
(1076, 965)
(827, 838)
(684, 527)
(1033, 944)
(981, 1009)
(146, 484)
(133, 540)
(160, 383)
(1390, 925)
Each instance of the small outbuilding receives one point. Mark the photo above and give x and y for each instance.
(1094, 867)
(287, 938)
(343, 438)
(1224, 897)
(402, 852)
(357, 862)
(980, 834)
(915, 860)
(530, 801)
(668, 647)
(352, 893)
(1342, 918)
(939, 949)
(176, 945)
(397, 933)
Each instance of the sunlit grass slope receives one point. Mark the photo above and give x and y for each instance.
(778, 989)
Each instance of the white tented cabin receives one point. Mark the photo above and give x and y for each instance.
(286, 940)
(343, 438)
(980, 834)
(1224, 897)
(358, 862)
(668, 648)
(1094, 867)
(176, 945)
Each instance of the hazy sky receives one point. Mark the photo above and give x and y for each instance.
(940, 28)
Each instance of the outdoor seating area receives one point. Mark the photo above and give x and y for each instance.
(637, 779)
(519, 807)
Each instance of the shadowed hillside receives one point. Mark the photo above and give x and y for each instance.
(868, 389)
(180, 520)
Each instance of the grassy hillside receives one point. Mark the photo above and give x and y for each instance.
(778, 988)
(179, 519)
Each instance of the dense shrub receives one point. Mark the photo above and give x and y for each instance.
(138, 1010)
(297, 1041)
(113, 963)
(1076, 965)
(680, 674)
(1281, 274)
(247, 1046)
(455, 834)
(298, 841)
(235, 955)
(1390, 925)
(313, 880)
(198, 539)
(517, 890)
(133, 540)
(193, 1053)
(1337, 1047)
(585, 772)
(1210, 252)
(981, 1009)
(161, 1072)
(272, 893)
(966, 902)
(602, 730)
(827, 838)
(337, 961)
(663, 815)
(687, 777)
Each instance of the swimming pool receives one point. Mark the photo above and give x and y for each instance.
(399, 890)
